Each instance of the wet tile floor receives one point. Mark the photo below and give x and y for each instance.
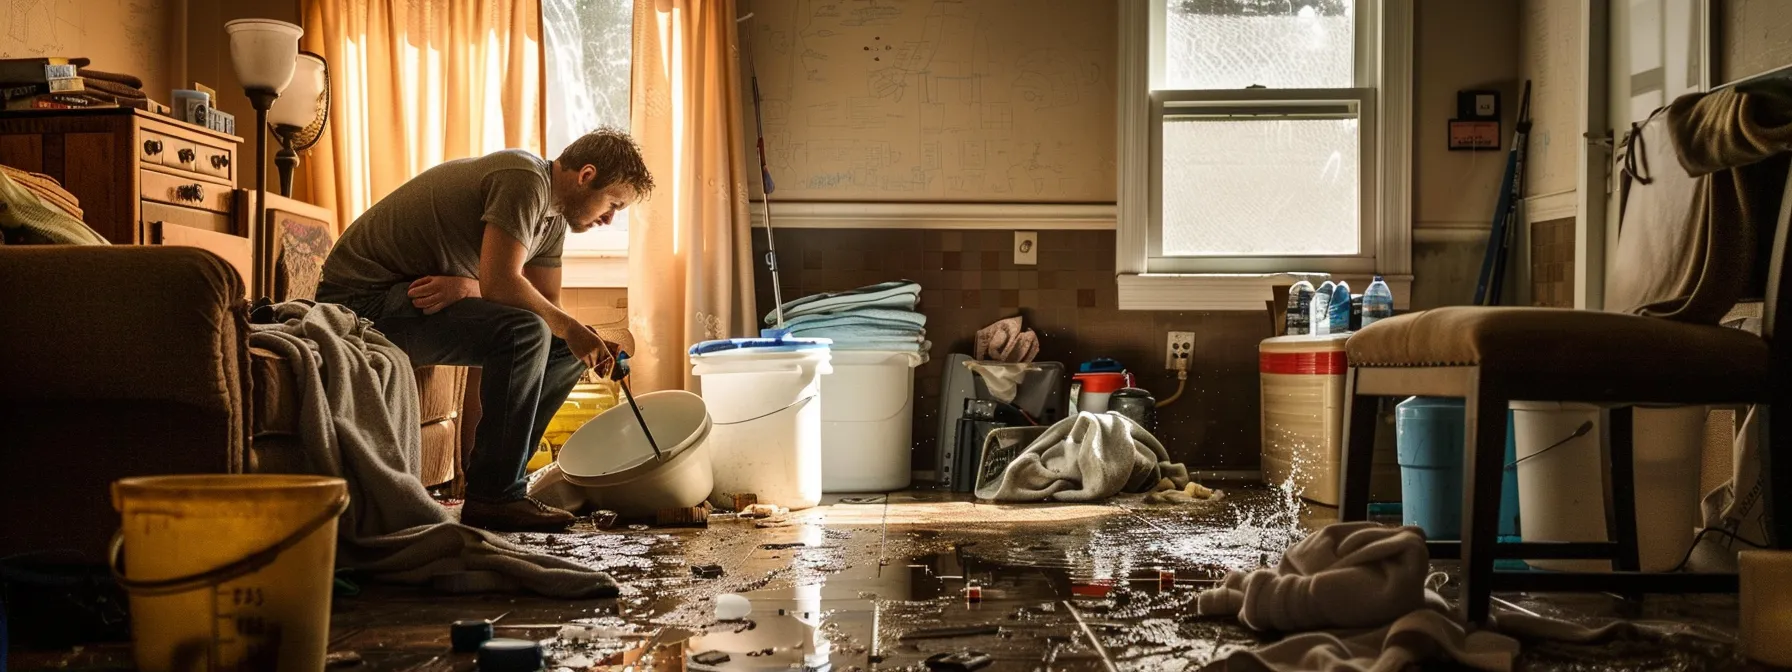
(880, 583)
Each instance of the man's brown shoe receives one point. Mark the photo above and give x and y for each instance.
(523, 515)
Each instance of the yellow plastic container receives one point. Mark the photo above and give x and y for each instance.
(228, 572)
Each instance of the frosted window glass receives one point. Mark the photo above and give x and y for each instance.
(1260, 187)
(589, 44)
(1280, 44)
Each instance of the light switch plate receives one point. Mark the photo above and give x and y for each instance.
(1026, 248)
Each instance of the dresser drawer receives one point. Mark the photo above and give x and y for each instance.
(188, 217)
(155, 148)
(216, 162)
(186, 191)
(182, 154)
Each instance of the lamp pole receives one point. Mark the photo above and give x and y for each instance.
(260, 233)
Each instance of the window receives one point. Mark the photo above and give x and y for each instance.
(1259, 152)
(589, 44)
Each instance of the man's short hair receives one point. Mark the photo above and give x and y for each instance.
(615, 156)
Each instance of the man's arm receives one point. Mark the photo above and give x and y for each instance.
(545, 279)
(502, 280)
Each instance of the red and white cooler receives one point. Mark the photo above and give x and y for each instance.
(1302, 388)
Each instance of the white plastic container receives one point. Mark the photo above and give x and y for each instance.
(610, 459)
(867, 421)
(766, 406)
(1302, 407)
(1562, 492)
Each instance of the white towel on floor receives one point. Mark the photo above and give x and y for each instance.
(1087, 457)
(1353, 598)
(358, 421)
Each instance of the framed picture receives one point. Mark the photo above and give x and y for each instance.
(302, 237)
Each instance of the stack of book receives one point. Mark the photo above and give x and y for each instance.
(47, 84)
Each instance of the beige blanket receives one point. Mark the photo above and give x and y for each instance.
(1698, 195)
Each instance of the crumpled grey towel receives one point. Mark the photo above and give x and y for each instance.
(1087, 457)
(358, 418)
(1353, 598)
(1347, 575)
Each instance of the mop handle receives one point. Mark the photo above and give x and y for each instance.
(630, 395)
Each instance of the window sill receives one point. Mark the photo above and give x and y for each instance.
(594, 270)
(1232, 291)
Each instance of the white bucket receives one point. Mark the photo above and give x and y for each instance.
(766, 406)
(610, 458)
(1562, 493)
(868, 422)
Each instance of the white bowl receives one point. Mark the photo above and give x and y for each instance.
(611, 460)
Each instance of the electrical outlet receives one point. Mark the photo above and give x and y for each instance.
(1180, 348)
(1026, 248)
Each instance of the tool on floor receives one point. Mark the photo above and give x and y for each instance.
(1505, 212)
(630, 395)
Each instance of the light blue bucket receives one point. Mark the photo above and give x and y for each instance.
(1429, 443)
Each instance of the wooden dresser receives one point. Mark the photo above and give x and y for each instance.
(142, 179)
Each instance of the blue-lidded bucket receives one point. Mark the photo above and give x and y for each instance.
(1429, 433)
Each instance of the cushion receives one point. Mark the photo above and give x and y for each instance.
(1561, 344)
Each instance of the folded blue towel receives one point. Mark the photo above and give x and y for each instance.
(895, 346)
(839, 334)
(899, 295)
(838, 331)
(878, 316)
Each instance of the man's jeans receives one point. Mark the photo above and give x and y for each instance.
(527, 373)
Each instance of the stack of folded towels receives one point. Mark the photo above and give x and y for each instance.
(878, 317)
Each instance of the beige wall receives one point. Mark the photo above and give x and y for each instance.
(126, 36)
(1457, 46)
(1549, 56)
(1753, 36)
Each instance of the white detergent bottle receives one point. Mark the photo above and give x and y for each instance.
(1339, 313)
(1319, 318)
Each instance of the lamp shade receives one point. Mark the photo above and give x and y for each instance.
(298, 104)
(263, 51)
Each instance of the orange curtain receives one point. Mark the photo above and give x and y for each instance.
(690, 245)
(414, 83)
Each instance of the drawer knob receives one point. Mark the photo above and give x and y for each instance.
(220, 161)
(152, 147)
(190, 192)
(187, 156)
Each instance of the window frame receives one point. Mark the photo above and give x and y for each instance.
(1150, 280)
(603, 265)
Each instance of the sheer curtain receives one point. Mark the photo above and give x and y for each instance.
(414, 83)
(690, 245)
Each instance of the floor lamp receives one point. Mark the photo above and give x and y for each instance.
(264, 52)
(298, 117)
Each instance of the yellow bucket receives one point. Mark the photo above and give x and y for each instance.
(228, 572)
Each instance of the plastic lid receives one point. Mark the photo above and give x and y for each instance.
(1101, 383)
(509, 655)
(1304, 343)
(778, 343)
(467, 636)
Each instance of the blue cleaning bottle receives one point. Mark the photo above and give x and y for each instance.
(1378, 302)
(1319, 318)
(1339, 313)
(1300, 311)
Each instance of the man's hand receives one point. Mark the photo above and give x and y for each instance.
(433, 293)
(588, 348)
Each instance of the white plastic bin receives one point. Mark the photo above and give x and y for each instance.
(1562, 493)
(868, 421)
(1302, 406)
(765, 399)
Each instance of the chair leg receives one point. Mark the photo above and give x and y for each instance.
(1776, 448)
(1359, 451)
(1483, 468)
(1619, 429)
